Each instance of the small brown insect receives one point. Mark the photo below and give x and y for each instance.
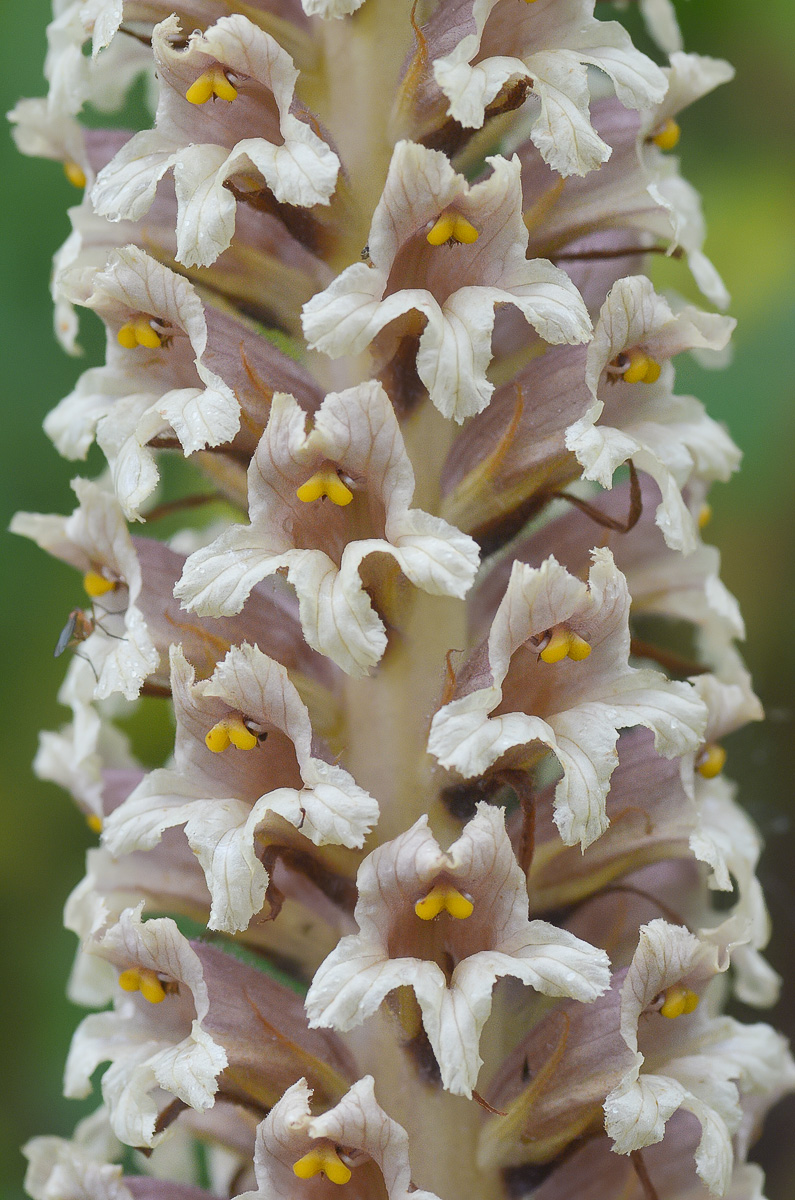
(80, 625)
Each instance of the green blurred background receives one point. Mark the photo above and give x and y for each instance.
(737, 148)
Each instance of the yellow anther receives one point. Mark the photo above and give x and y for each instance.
(241, 736)
(679, 1001)
(440, 898)
(325, 483)
(231, 731)
(442, 230)
(139, 332)
(641, 369)
(126, 336)
(214, 82)
(578, 647)
(452, 227)
(464, 231)
(143, 980)
(557, 648)
(667, 135)
(704, 515)
(323, 1161)
(94, 822)
(218, 738)
(98, 585)
(564, 643)
(75, 174)
(151, 988)
(711, 761)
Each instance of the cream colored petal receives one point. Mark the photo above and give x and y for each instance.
(661, 22)
(356, 431)
(205, 208)
(326, 805)
(61, 1170)
(357, 1122)
(669, 437)
(634, 315)
(599, 696)
(125, 188)
(350, 985)
(455, 346)
(563, 132)
(551, 46)
(293, 161)
(150, 1046)
(690, 76)
(95, 538)
(551, 961)
(636, 1113)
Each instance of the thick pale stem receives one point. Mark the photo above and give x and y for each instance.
(443, 1129)
(389, 713)
(364, 55)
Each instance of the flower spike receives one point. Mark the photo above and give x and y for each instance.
(418, 571)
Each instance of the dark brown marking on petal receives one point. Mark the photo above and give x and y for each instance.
(164, 1119)
(400, 379)
(675, 664)
(622, 252)
(337, 888)
(635, 506)
(420, 1051)
(143, 38)
(649, 1190)
(169, 507)
(485, 1104)
(158, 690)
(297, 221)
(451, 137)
(461, 799)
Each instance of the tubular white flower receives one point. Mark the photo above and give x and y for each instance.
(455, 287)
(384, 777)
(697, 1062)
(151, 1045)
(224, 798)
(729, 843)
(144, 390)
(690, 76)
(285, 152)
(639, 190)
(95, 540)
(550, 43)
(506, 698)
(395, 948)
(355, 439)
(75, 78)
(355, 1131)
(61, 1170)
(668, 436)
(79, 757)
(661, 581)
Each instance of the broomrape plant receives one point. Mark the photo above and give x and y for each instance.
(446, 832)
